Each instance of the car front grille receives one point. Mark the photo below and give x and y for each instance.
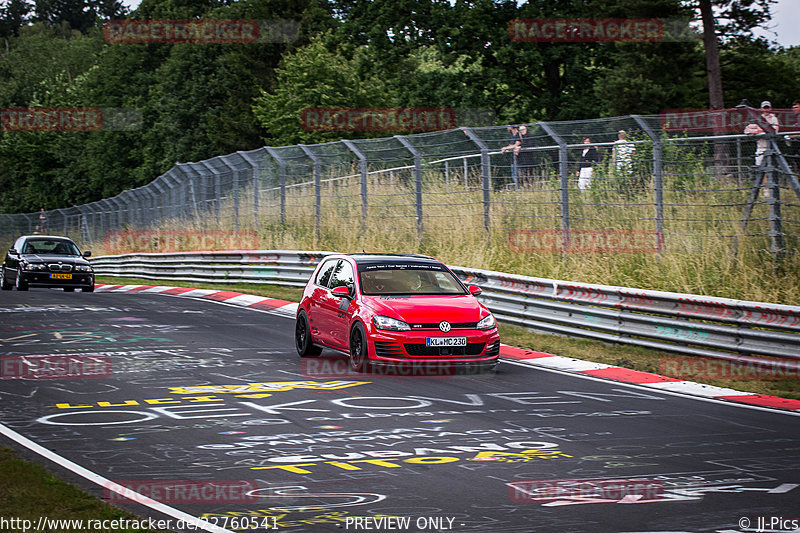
(420, 350)
(58, 267)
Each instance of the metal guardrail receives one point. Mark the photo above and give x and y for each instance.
(687, 324)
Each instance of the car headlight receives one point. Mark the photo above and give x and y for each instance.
(34, 266)
(83, 268)
(385, 322)
(487, 322)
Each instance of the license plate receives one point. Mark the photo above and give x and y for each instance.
(446, 341)
(60, 276)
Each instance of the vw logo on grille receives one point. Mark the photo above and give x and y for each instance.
(444, 325)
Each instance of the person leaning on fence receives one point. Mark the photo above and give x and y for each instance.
(513, 145)
(525, 158)
(589, 156)
(515, 142)
(767, 118)
(622, 154)
(793, 140)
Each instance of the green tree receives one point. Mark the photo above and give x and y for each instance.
(314, 77)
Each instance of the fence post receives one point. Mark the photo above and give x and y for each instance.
(282, 177)
(772, 186)
(190, 179)
(362, 163)
(256, 171)
(217, 190)
(658, 174)
(417, 181)
(317, 187)
(486, 175)
(563, 171)
(235, 191)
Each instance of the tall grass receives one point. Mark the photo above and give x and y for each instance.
(698, 256)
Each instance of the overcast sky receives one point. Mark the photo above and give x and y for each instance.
(784, 28)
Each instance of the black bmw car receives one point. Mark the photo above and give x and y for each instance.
(46, 261)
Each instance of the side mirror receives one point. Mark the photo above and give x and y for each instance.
(474, 290)
(12, 251)
(341, 292)
(87, 253)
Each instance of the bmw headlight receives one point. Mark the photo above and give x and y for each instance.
(34, 266)
(385, 322)
(487, 322)
(83, 268)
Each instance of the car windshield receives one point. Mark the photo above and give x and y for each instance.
(50, 247)
(407, 278)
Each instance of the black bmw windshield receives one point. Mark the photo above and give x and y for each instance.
(50, 247)
(407, 278)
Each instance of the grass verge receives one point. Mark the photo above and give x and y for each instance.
(29, 492)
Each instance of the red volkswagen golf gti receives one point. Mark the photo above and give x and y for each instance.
(390, 309)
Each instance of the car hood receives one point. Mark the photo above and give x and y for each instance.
(428, 309)
(50, 258)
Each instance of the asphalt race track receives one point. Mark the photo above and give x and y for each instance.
(207, 409)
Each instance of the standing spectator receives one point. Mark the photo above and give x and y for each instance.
(622, 154)
(42, 226)
(589, 156)
(525, 158)
(793, 140)
(768, 119)
(514, 145)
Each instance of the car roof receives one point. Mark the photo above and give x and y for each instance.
(391, 258)
(48, 237)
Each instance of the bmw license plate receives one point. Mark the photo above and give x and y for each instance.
(60, 276)
(445, 341)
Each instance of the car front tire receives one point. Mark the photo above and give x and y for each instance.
(302, 337)
(359, 360)
(88, 289)
(20, 284)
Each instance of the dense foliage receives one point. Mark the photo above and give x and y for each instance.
(195, 101)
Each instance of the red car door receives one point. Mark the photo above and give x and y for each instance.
(319, 301)
(334, 313)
